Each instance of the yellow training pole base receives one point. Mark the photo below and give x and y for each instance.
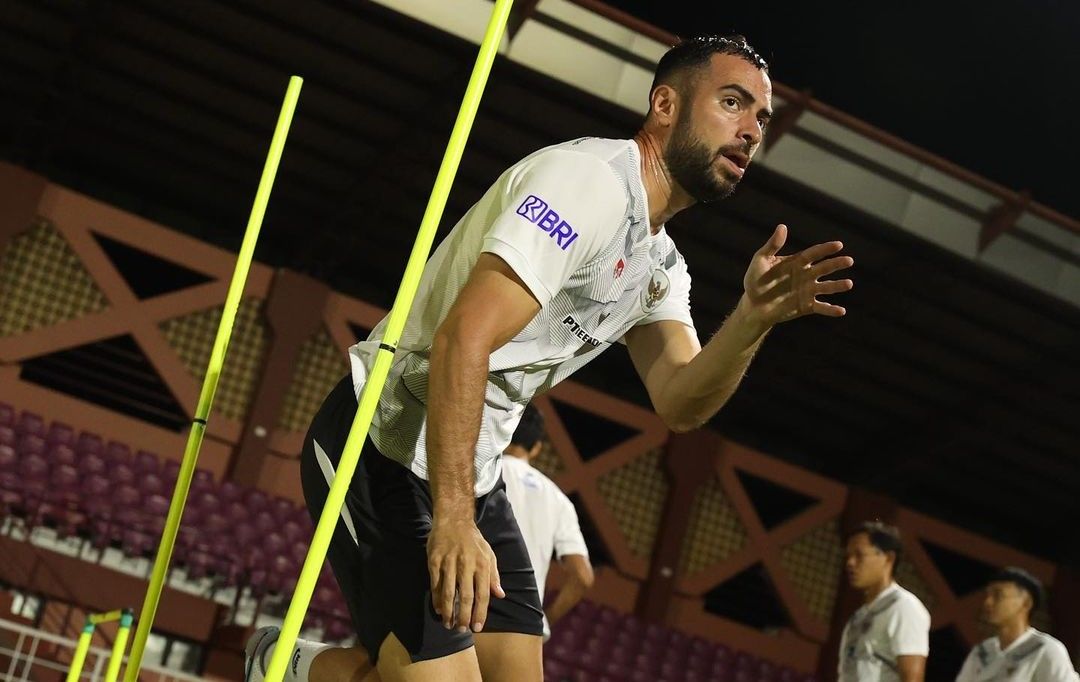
(414, 269)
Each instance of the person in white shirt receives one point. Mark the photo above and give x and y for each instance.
(1017, 652)
(547, 519)
(887, 639)
(564, 256)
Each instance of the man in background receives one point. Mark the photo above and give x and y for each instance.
(887, 639)
(547, 519)
(1017, 651)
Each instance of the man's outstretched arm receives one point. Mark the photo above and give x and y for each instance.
(688, 384)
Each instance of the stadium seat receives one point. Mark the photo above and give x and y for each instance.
(89, 443)
(30, 423)
(60, 433)
(118, 453)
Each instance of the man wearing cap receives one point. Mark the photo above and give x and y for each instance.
(1017, 651)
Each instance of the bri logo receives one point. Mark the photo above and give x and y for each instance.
(535, 210)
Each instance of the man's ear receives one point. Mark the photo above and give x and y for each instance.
(892, 568)
(664, 105)
(1029, 600)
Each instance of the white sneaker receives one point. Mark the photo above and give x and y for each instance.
(255, 651)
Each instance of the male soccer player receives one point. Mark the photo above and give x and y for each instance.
(546, 517)
(1017, 652)
(887, 639)
(566, 254)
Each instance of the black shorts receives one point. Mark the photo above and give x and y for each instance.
(383, 571)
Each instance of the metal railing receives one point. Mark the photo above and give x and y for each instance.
(22, 649)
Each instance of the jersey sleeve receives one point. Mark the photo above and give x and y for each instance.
(911, 629)
(676, 305)
(568, 537)
(563, 209)
(1055, 666)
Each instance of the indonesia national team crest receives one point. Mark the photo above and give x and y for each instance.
(656, 292)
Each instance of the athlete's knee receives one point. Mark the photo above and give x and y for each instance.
(510, 657)
(395, 665)
(343, 665)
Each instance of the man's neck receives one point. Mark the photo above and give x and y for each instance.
(518, 452)
(666, 198)
(1011, 631)
(873, 592)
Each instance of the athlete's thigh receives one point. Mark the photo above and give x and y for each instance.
(510, 656)
(395, 665)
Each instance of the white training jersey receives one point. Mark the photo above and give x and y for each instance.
(894, 624)
(572, 220)
(1034, 657)
(546, 517)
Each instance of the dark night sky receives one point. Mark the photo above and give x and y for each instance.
(991, 86)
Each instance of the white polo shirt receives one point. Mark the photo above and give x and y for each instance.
(572, 221)
(1034, 656)
(546, 517)
(895, 624)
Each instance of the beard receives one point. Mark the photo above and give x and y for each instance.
(693, 165)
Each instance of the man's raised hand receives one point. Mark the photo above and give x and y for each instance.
(781, 288)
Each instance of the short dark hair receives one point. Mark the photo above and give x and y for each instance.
(530, 429)
(693, 53)
(881, 535)
(1023, 580)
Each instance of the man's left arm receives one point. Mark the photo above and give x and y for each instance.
(688, 384)
(573, 555)
(579, 580)
(911, 668)
(910, 631)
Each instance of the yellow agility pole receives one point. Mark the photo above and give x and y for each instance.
(119, 644)
(81, 648)
(213, 372)
(125, 617)
(309, 574)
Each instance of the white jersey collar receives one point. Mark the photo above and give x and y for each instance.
(893, 587)
(1027, 634)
